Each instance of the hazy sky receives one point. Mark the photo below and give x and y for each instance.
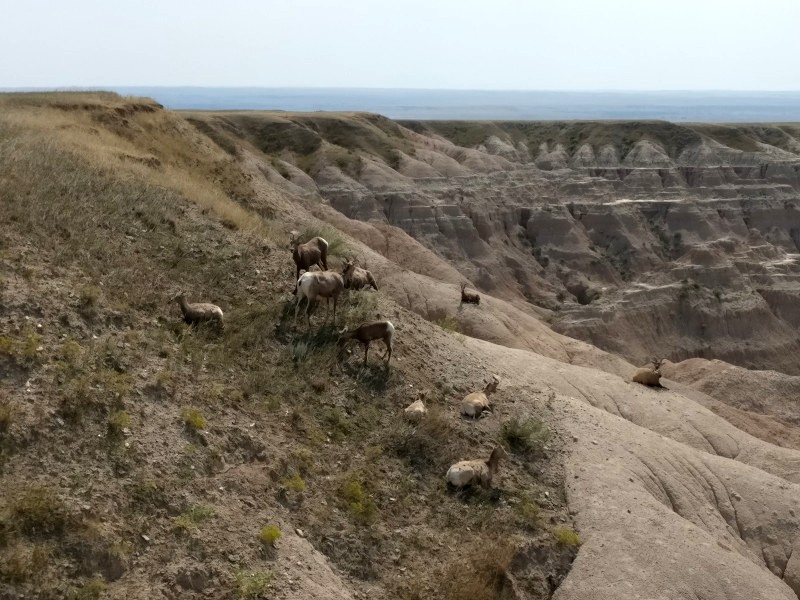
(497, 44)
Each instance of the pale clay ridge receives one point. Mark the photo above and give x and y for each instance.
(670, 500)
(699, 490)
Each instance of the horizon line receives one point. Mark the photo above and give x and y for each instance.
(111, 87)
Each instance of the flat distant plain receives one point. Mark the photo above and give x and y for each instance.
(677, 106)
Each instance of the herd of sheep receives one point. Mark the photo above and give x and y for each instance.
(314, 285)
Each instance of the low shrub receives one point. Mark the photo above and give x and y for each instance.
(566, 537)
(526, 436)
(269, 535)
(193, 419)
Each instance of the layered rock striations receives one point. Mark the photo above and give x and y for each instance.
(644, 238)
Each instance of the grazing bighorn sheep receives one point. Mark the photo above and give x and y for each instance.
(476, 403)
(648, 376)
(313, 252)
(200, 312)
(471, 472)
(355, 277)
(318, 284)
(469, 297)
(415, 411)
(369, 332)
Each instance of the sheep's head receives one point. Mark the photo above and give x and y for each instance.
(498, 453)
(348, 267)
(463, 287)
(294, 239)
(491, 385)
(657, 364)
(177, 297)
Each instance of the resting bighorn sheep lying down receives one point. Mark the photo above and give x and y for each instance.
(472, 472)
(318, 284)
(200, 312)
(356, 278)
(469, 297)
(648, 376)
(415, 411)
(476, 403)
(369, 332)
(313, 252)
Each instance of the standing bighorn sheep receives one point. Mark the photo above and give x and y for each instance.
(471, 472)
(355, 277)
(476, 403)
(313, 252)
(199, 312)
(318, 284)
(648, 376)
(469, 297)
(369, 332)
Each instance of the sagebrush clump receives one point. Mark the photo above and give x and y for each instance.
(525, 435)
(269, 535)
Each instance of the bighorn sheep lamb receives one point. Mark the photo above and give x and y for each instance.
(476, 403)
(379, 330)
(313, 252)
(471, 472)
(199, 313)
(648, 376)
(355, 277)
(318, 284)
(469, 297)
(415, 411)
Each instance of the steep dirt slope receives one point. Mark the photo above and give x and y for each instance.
(147, 459)
(642, 238)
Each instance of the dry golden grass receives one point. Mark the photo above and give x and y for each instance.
(133, 138)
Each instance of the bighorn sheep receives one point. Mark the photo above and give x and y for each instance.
(648, 376)
(313, 252)
(355, 277)
(476, 403)
(415, 411)
(469, 297)
(318, 284)
(369, 332)
(199, 313)
(471, 472)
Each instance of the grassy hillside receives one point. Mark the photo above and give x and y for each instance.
(142, 458)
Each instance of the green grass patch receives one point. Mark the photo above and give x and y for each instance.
(251, 585)
(449, 323)
(38, 512)
(361, 506)
(193, 419)
(525, 436)
(194, 516)
(269, 535)
(295, 484)
(566, 537)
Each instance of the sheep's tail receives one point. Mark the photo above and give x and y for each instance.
(323, 249)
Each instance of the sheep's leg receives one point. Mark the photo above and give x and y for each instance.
(388, 352)
(308, 313)
(296, 279)
(366, 349)
(297, 308)
(334, 309)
